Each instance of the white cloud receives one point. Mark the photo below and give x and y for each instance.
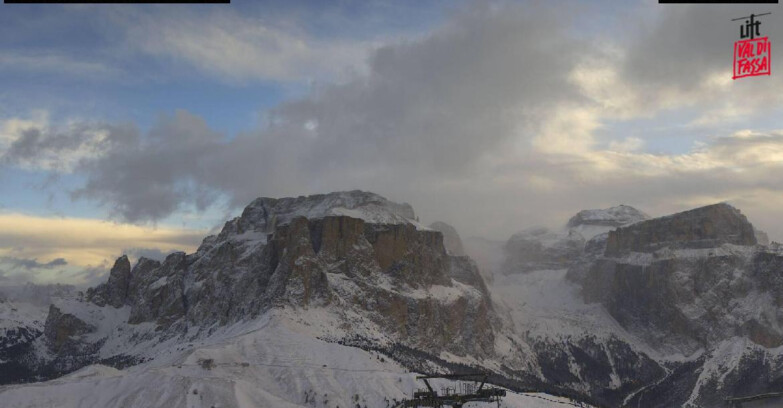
(629, 144)
(34, 144)
(52, 63)
(480, 123)
(240, 48)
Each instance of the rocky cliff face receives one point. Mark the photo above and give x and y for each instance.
(115, 291)
(694, 284)
(63, 331)
(704, 227)
(690, 301)
(359, 258)
(681, 310)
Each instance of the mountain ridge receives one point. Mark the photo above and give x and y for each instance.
(355, 270)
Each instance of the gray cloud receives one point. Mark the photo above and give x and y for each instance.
(481, 124)
(427, 109)
(42, 148)
(689, 43)
(25, 263)
(91, 276)
(17, 270)
(152, 177)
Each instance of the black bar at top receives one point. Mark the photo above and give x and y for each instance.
(717, 1)
(117, 1)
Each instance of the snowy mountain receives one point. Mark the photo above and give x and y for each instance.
(685, 304)
(680, 310)
(292, 304)
(589, 223)
(23, 311)
(339, 299)
(540, 248)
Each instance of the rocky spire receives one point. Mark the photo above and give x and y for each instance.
(115, 291)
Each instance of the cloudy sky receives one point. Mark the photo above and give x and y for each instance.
(140, 129)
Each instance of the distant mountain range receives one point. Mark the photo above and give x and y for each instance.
(339, 299)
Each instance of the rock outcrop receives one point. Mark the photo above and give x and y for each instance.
(115, 291)
(157, 290)
(62, 331)
(705, 227)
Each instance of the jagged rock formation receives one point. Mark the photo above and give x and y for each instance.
(451, 239)
(359, 257)
(681, 310)
(115, 291)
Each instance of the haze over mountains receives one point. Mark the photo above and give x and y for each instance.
(336, 299)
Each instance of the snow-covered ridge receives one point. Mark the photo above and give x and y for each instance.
(275, 361)
(264, 214)
(370, 207)
(590, 223)
(612, 216)
(541, 248)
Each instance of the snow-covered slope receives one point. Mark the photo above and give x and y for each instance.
(22, 314)
(274, 361)
(363, 205)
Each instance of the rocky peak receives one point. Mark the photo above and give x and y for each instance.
(61, 330)
(451, 239)
(592, 223)
(370, 207)
(343, 249)
(704, 227)
(689, 280)
(264, 214)
(610, 217)
(115, 291)
(541, 248)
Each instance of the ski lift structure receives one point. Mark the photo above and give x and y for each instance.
(475, 391)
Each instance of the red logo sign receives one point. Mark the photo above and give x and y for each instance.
(752, 57)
